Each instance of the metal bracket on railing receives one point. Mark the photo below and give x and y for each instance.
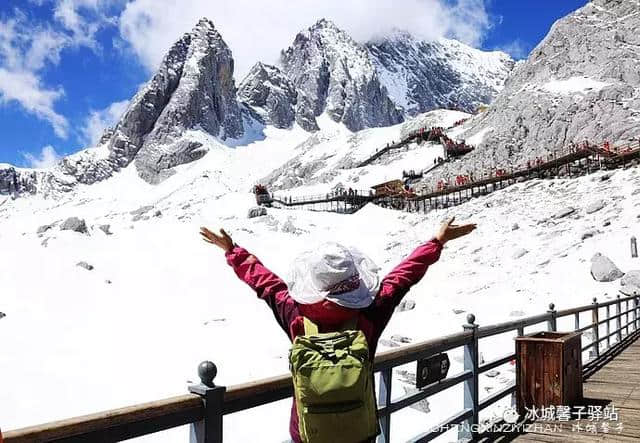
(552, 323)
(596, 328)
(618, 319)
(209, 429)
(471, 396)
(636, 324)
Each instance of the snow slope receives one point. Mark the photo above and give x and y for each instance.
(160, 300)
(328, 159)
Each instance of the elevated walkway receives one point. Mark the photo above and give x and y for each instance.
(343, 203)
(611, 406)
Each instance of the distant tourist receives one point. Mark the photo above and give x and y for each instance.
(331, 289)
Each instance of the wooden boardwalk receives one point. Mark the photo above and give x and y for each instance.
(614, 387)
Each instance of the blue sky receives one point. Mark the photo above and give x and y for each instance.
(68, 67)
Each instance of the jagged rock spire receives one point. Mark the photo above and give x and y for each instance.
(193, 88)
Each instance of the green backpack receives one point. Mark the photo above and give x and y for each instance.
(333, 385)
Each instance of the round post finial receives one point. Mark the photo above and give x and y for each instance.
(552, 306)
(471, 319)
(595, 299)
(618, 296)
(207, 371)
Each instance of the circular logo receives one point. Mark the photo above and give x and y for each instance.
(510, 415)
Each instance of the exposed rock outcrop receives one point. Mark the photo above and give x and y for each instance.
(258, 211)
(603, 269)
(334, 74)
(271, 94)
(74, 224)
(580, 83)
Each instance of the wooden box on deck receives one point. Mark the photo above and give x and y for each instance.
(548, 370)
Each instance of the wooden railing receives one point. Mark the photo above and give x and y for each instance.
(207, 403)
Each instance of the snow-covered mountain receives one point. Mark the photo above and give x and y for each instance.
(378, 83)
(192, 89)
(158, 297)
(421, 76)
(334, 74)
(580, 83)
(324, 73)
(132, 287)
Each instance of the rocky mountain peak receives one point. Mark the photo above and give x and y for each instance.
(194, 87)
(324, 23)
(332, 73)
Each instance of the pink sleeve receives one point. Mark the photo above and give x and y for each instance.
(269, 287)
(398, 282)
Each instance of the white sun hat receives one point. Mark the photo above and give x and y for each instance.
(334, 272)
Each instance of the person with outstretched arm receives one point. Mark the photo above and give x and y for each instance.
(333, 285)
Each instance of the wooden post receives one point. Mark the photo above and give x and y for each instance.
(470, 425)
(384, 399)
(552, 322)
(634, 248)
(209, 429)
(596, 327)
(635, 313)
(618, 320)
(577, 321)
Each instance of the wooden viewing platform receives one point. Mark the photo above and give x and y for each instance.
(615, 384)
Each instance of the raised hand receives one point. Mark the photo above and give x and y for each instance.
(223, 241)
(449, 231)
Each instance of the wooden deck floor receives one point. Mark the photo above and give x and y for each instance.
(615, 385)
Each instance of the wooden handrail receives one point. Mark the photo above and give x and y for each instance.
(159, 415)
(396, 357)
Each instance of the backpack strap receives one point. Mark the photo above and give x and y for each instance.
(310, 328)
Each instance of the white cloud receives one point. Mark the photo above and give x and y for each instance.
(26, 47)
(25, 88)
(259, 30)
(99, 120)
(516, 49)
(47, 158)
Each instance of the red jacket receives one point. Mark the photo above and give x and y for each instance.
(327, 315)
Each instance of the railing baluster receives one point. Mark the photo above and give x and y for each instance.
(552, 324)
(577, 321)
(635, 314)
(209, 429)
(626, 317)
(596, 327)
(608, 327)
(384, 399)
(471, 396)
(618, 320)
